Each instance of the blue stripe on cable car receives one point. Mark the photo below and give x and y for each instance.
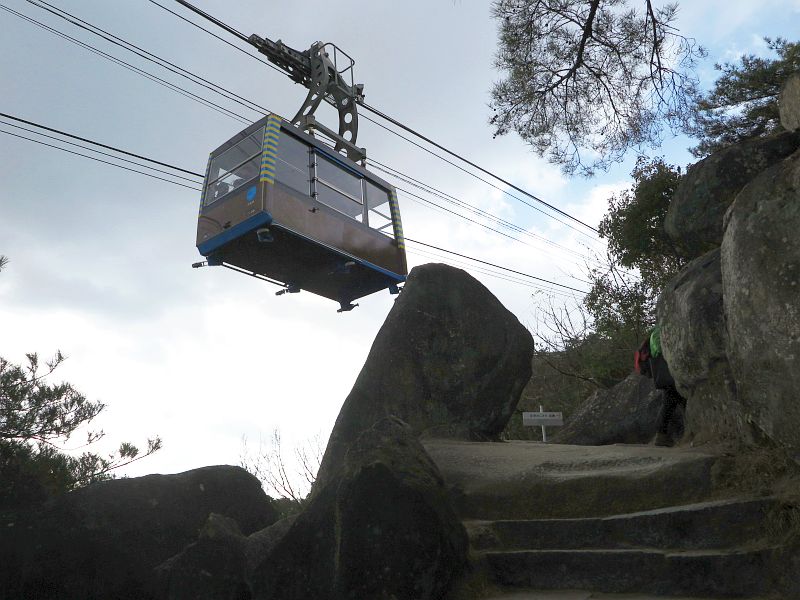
(230, 234)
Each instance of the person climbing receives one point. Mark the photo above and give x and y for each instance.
(649, 361)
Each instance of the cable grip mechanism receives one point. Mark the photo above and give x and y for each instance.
(319, 69)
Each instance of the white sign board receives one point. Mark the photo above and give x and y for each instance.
(545, 419)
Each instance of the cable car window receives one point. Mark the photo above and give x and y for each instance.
(234, 179)
(292, 167)
(235, 166)
(338, 201)
(336, 177)
(236, 155)
(378, 204)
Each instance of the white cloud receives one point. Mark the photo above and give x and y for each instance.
(101, 258)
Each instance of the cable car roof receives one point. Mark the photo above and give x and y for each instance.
(311, 140)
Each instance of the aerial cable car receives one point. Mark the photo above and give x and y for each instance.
(281, 205)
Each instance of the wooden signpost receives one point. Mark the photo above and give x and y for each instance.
(543, 419)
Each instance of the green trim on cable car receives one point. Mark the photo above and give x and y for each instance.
(269, 154)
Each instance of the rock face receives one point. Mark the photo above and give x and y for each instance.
(789, 103)
(694, 340)
(450, 361)
(382, 528)
(696, 212)
(628, 413)
(103, 541)
(761, 288)
(212, 568)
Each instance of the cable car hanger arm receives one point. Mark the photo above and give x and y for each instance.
(314, 69)
(318, 71)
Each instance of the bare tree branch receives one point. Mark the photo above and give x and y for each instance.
(586, 80)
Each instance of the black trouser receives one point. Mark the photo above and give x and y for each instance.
(672, 399)
(663, 380)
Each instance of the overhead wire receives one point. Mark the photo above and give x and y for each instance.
(408, 179)
(107, 147)
(471, 174)
(214, 20)
(494, 265)
(402, 126)
(129, 66)
(472, 164)
(429, 202)
(488, 271)
(149, 56)
(199, 189)
(426, 245)
(52, 137)
(220, 38)
(85, 25)
(235, 97)
(433, 205)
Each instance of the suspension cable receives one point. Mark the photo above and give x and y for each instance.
(129, 66)
(72, 19)
(100, 160)
(402, 126)
(82, 139)
(440, 249)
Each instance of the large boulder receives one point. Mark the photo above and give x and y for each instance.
(789, 103)
(694, 341)
(220, 564)
(627, 413)
(104, 540)
(382, 528)
(696, 212)
(212, 568)
(449, 360)
(761, 288)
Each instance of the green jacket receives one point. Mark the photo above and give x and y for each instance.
(655, 342)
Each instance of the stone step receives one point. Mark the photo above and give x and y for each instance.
(718, 574)
(716, 524)
(582, 595)
(529, 480)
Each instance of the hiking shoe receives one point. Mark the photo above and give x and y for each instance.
(663, 440)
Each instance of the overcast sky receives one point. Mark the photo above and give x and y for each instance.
(101, 258)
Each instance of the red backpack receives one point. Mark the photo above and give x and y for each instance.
(641, 359)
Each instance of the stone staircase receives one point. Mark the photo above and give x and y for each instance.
(615, 519)
(704, 549)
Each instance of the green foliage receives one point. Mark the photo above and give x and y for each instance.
(744, 101)
(3, 261)
(590, 346)
(621, 301)
(35, 416)
(31, 473)
(618, 302)
(571, 361)
(586, 80)
(34, 410)
(634, 223)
